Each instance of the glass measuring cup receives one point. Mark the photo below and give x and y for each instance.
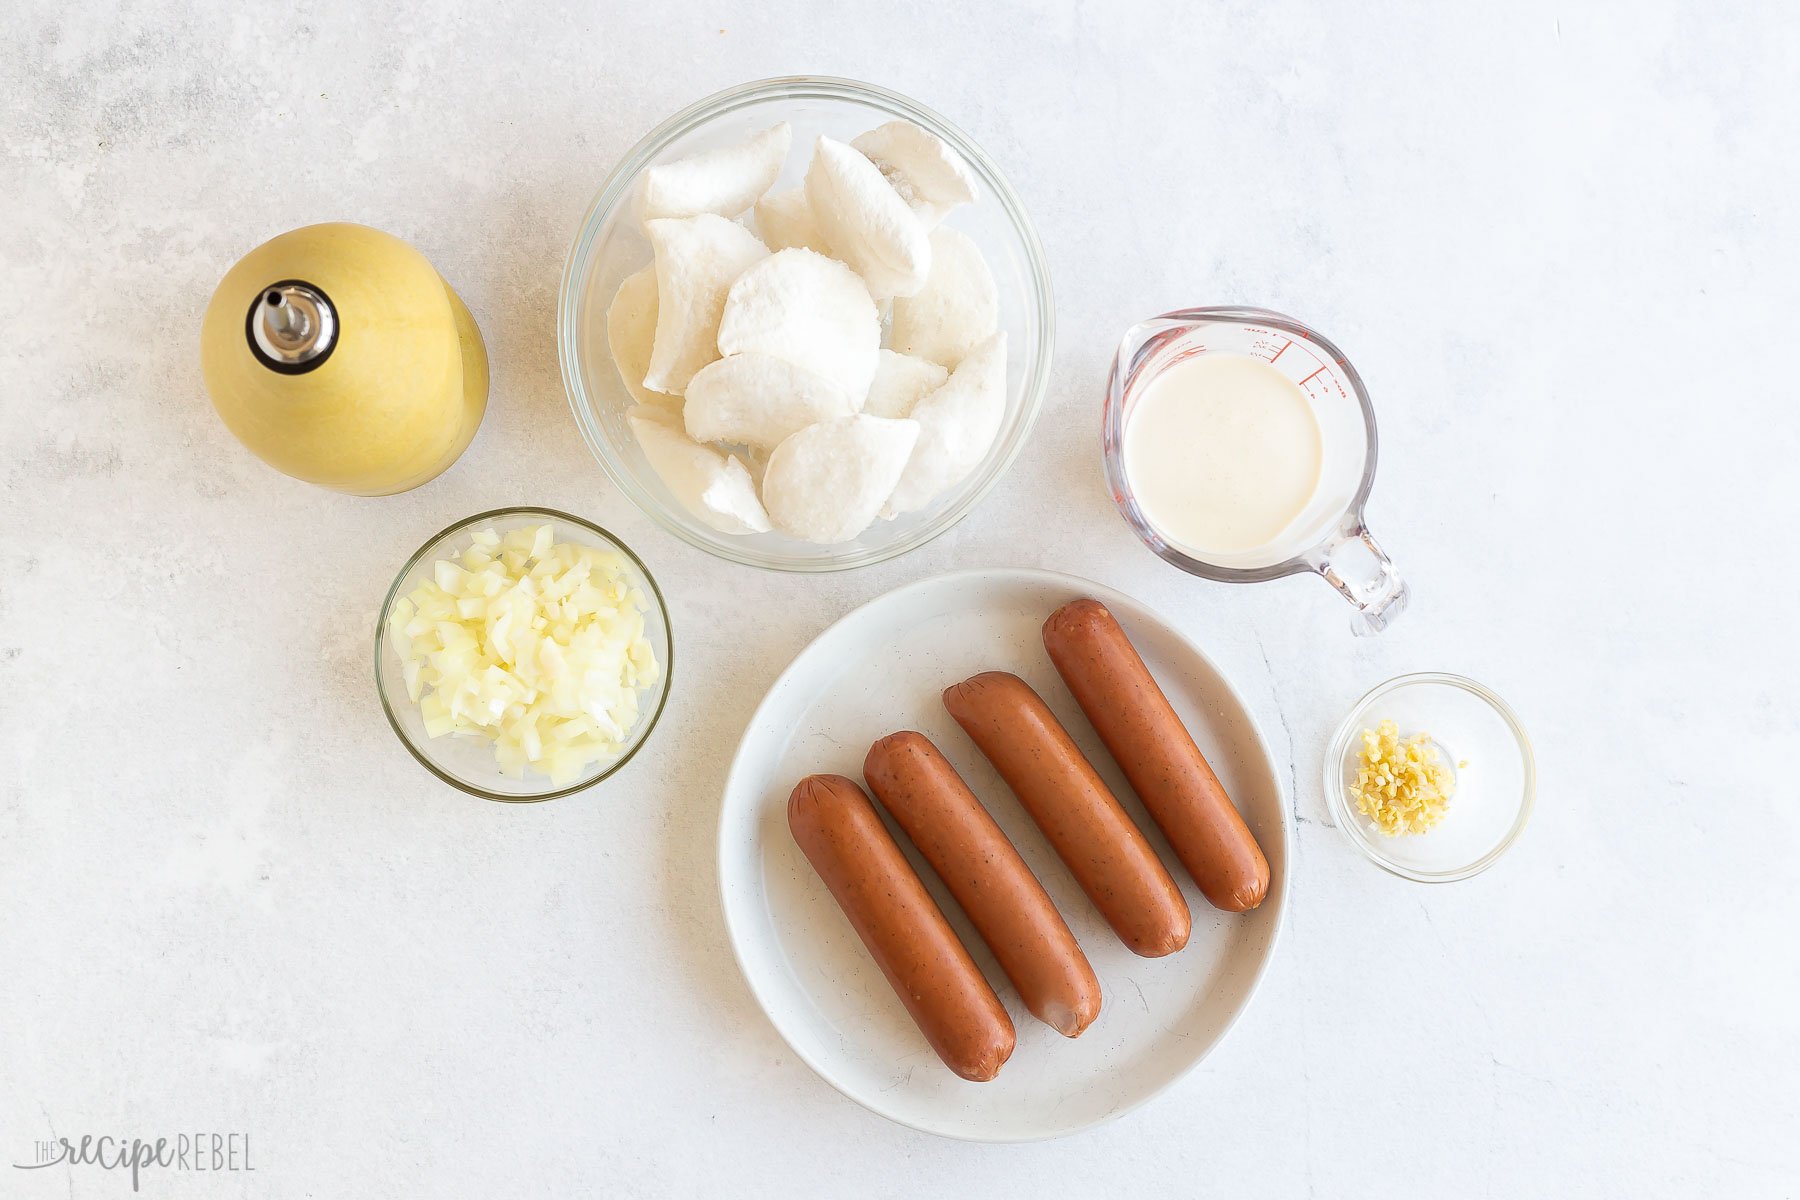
(1328, 537)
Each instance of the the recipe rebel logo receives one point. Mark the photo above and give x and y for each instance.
(193, 1152)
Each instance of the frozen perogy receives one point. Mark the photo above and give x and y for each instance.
(631, 334)
(759, 401)
(930, 176)
(785, 220)
(725, 181)
(826, 483)
(957, 423)
(804, 308)
(697, 261)
(957, 309)
(900, 382)
(713, 486)
(866, 222)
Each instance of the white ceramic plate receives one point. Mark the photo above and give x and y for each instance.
(882, 669)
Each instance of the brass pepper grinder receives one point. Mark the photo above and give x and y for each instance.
(339, 356)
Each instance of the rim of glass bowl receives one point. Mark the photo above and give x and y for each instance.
(666, 681)
(1346, 816)
(616, 189)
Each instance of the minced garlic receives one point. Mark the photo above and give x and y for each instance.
(1401, 784)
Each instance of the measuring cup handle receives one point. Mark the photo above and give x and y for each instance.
(1352, 562)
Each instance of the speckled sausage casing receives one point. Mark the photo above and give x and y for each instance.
(1090, 832)
(1158, 755)
(909, 939)
(983, 870)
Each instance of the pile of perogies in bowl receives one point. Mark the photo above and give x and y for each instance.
(765, 396)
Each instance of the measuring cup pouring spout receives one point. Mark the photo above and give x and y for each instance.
(1275, 426)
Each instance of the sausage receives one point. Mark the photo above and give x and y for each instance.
(1106, 853)
(944, 991)
(1158, 755)
(984, 872)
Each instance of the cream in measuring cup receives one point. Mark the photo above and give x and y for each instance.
(1223, 454)
(1240, 446)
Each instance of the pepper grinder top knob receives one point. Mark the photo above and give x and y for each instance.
(292, 327)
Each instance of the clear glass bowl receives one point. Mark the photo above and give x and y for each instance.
(468, 763)
(1479, 737)
(611, 245)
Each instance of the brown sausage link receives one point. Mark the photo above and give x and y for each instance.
(984, 872)
(1168, 772)
(1106, 853)
(841, 835)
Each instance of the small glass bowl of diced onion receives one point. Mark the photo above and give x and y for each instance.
(523, 654)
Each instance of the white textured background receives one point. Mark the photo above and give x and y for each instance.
(1558, 241)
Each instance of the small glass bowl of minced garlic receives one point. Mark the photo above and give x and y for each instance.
(1431, 777)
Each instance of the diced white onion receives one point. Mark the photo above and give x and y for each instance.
(534, 644)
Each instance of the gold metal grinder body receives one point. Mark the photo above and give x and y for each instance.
(339, 356)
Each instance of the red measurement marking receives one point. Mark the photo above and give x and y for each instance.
(1281, 351)
(1311, 377)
